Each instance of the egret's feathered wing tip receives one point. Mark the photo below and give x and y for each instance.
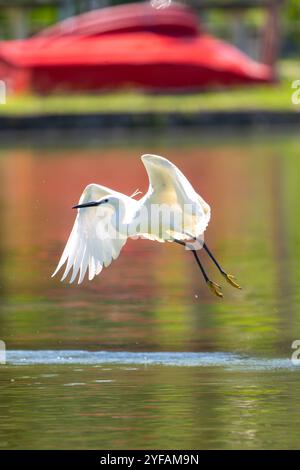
(55, 272)
(177, 190)
(152, 158)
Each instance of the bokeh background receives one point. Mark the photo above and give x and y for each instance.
(239, 147)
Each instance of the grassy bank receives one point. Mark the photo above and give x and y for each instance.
(276, 97)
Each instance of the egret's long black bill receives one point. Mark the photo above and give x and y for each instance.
(87, 204)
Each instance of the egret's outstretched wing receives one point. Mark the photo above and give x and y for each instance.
(169, 186)
(89, 247)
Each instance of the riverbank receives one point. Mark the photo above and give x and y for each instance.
(148, 120)
(242, 107)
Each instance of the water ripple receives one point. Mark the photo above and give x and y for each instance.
(182, 359)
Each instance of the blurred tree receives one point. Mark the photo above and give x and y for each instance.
(291, 28)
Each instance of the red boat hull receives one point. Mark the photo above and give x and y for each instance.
(146, 60)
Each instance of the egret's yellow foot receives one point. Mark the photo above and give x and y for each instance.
(231, 280)
(215, 288)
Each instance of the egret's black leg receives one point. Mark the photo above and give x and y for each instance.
(229, 277)
(213, 258)
(200, 266)
(215, 288)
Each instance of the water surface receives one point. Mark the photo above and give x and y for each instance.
(144, 356)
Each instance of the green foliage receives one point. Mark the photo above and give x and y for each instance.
(273, 97)
(291, 23)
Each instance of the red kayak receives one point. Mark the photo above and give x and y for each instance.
(176, 20)
(157, 52)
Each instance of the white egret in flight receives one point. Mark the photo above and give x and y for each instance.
(171, 210)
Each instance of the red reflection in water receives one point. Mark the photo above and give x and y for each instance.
(41, 186)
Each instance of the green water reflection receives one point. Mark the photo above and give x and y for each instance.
(152, 299)
(148, 407)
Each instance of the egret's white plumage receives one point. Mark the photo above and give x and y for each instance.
(168, 185)
(89, 250)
